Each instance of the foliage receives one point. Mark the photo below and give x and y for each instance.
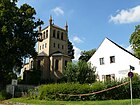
(17, 36)
(81, 72)
(70, 50)
(86, 55)
(4, 95)
(135, 41)
(66, 91)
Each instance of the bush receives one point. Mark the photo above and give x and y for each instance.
(71, 91)
(4, 95)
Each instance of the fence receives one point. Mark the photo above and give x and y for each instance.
(20, 90)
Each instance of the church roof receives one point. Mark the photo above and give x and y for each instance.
(42, 54)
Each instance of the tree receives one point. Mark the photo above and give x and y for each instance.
(81, 72)
(135, 41)
(70, 50)
(17, 36)
(86, 55)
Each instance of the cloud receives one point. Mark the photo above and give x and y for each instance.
(77, 53)
(130, 15)
(58, 11)
(76, 39)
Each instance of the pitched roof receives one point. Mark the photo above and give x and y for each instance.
(122, 48)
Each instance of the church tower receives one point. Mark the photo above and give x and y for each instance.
(54, 39)
(52, 50)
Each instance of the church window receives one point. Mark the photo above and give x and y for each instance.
(62, 36)
(46, 33)
(56, 64)
(31, 64)
(66, 63)
(45, 45)
(38, 64)
(40, 47)
(101, 61)
(62, 47)
(58, 45)
(54, 33)
(112, 59)
(53, 44)
(58, 34)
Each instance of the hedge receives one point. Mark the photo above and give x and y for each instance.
(66, 91)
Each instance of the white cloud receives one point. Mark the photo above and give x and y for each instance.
(77, 53)
(76, 39)
(127, 16)
(58, 11)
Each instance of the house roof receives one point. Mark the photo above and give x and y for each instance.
(121, 47)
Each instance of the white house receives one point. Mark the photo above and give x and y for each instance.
(113, 61)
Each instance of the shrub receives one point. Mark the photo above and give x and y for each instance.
(66, 91)
(4, 95)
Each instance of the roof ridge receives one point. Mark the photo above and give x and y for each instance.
(122, 48)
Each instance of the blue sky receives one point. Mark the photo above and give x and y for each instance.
(90, 21)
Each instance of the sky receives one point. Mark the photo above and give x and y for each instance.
(90, 21)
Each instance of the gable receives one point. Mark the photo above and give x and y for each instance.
(109, 48)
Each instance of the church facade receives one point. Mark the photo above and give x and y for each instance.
(52, 52)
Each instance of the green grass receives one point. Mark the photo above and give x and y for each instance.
(44, 102)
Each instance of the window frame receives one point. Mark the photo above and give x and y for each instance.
(112, 59)
(101, 60)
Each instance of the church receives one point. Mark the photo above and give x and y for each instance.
(52, 52)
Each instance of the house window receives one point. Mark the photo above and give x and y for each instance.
(54, 33)
(109, 77)
(62, 36)
(56, 64)
(101, 61)
(58, 34)
(112, 59)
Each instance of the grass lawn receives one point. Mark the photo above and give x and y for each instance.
(44, 102)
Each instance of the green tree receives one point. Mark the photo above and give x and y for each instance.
(86, 55)
(135, 41)
(17, 36)
(70, 50)
(80, 72)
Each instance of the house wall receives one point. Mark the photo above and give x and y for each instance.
(123, 60)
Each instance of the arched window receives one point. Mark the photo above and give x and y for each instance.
(58, 34)
(54, 33)
(46, 33)
(56, 64)
(62, 36)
